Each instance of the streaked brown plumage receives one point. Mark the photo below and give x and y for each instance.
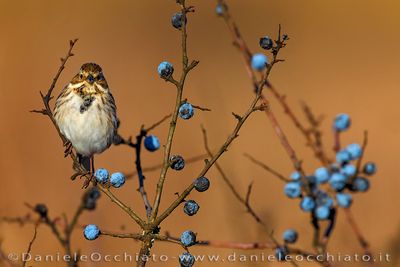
(85, 111)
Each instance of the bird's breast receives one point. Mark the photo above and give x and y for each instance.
(87, 123)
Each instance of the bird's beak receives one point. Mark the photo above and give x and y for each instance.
(90, 79)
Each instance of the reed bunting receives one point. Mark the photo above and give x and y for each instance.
(85, 113)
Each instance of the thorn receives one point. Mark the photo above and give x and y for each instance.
(237, 116)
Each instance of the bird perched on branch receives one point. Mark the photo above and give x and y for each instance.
(85, 113)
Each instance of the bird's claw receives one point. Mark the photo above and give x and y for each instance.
(88, 179)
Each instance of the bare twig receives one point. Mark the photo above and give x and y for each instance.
(315, 131)
(360, 160)
(360, 237)
(31, 242)
(242, 200)
(267, 168)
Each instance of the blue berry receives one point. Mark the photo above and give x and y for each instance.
(307, 204)
(342, 122)
(295, 176)
(343, 156)
(177, 20)
(369, 168)
(323, 199)
(90, 197)
(186, 259)
(338, 181)
(322, 212)
(360, 184)
(322, 175)
(42, 210)
(281, 253)
(259, 62)
(202, 184)
(355, 151)
(312, 180)
(91, 232)
(293, 189)
(344, 200)
(117, 179)
(266, 42)
(290, 236)
(191, 207)
(188, 238)
(349, 170)
(177, 162)
(220, 10)
(93, 193)
(151, 143)
(101, 175)
(335, 167)
(165, 69)
(186, 111)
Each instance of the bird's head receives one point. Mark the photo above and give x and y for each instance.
(91, 76)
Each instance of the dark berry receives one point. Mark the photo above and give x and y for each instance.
(42, 210)
(177, 162)
(202, 184)
(177, 20)
(191, 207)
(266, 43)
(188, 238)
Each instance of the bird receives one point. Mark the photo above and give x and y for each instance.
(86, 114)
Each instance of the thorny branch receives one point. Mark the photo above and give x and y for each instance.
(316, 146)
(240, 43)
(186, 68)
(138, 163)
(242, 200)
(209, 163)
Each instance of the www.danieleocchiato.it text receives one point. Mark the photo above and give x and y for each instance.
(233, 257)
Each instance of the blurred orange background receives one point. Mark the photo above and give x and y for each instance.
(342, 56)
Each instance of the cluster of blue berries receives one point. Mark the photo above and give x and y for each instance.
(290, 236)
(116, 179)
(343, 177)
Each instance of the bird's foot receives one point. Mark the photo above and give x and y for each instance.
(88, 179)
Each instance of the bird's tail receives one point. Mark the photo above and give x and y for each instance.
(84, 161)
